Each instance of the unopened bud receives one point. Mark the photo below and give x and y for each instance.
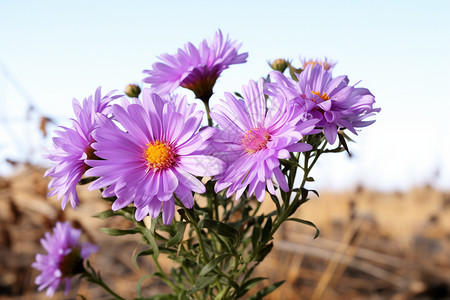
(132, 90)
(279, 65)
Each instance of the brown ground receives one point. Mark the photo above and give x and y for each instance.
(372, 245)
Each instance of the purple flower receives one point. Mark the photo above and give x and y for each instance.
(64, 259)
(72, 146)
(156, 156)
(257, 134)
(329, 99)
(327, 65)
(194, 68)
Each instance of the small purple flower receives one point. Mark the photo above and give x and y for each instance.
(327, 65)
(63, 260)
(257, 133)
(194, 68)
(156, 156)
(72, 147)
(329, 99)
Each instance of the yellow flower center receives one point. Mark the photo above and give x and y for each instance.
(159, 156)
(323, 96)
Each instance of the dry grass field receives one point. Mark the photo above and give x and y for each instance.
(372, 245)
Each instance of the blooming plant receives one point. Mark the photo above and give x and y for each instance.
(193, 192)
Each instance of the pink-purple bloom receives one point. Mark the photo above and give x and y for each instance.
(156, 152)
(257, 133)
(72, 146)
(194, 68)
(64, 258)
(331, 100)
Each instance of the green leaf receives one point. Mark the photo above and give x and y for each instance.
(138, 287)
(151, 252)
(306, 223)
(344, 143)
(221, 229)
(87, 180)
(256, 235)
(266, 291)
(276, 201)
(247, 285)
(117, 232)
(201, 283)
(151, 240)
(181, 227)
(238, 95)
(264, 251)
(266, 230)
(106, 214)
(310, 179)
(212, 264)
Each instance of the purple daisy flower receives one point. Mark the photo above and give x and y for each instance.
(72, 147)
(257, 133)
(329, 99)
(194, 68)
(327, 65)
(64, 259)
(157, 156)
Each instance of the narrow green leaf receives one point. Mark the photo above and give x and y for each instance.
(276, 201)
(239, 95)
(181, 227)
(106, 214)
(309, 223)
(247, 285)
(221, 228)
(212, 264)
(266, 291)
(138, 287)
(151, 240)
(344, 143)
(116, 232)
(201, 283)
(266, 230)
(264, 251)
(256, 235)
(87, 180)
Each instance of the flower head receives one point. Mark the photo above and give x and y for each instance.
(327, 65)
(72, 146)
(156, 156)
(194, 68)
(331, 100)
(64, 258)
(257, 133)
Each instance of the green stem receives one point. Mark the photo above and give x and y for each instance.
(95, 278)
(164, 277)
(210, 123)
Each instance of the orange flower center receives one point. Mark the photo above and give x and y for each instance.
(159, 156)
(323, 96)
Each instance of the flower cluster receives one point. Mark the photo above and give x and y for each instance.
(64, 258)
(149, 152)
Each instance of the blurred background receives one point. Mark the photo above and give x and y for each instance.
(384, 213)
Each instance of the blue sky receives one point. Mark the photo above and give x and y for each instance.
(400, 50)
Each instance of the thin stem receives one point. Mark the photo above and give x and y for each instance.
(164, 277)
(199, 235)
(95, 278)
(210, 123)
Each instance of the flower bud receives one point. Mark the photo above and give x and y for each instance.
(279, 64)
(132, 90)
